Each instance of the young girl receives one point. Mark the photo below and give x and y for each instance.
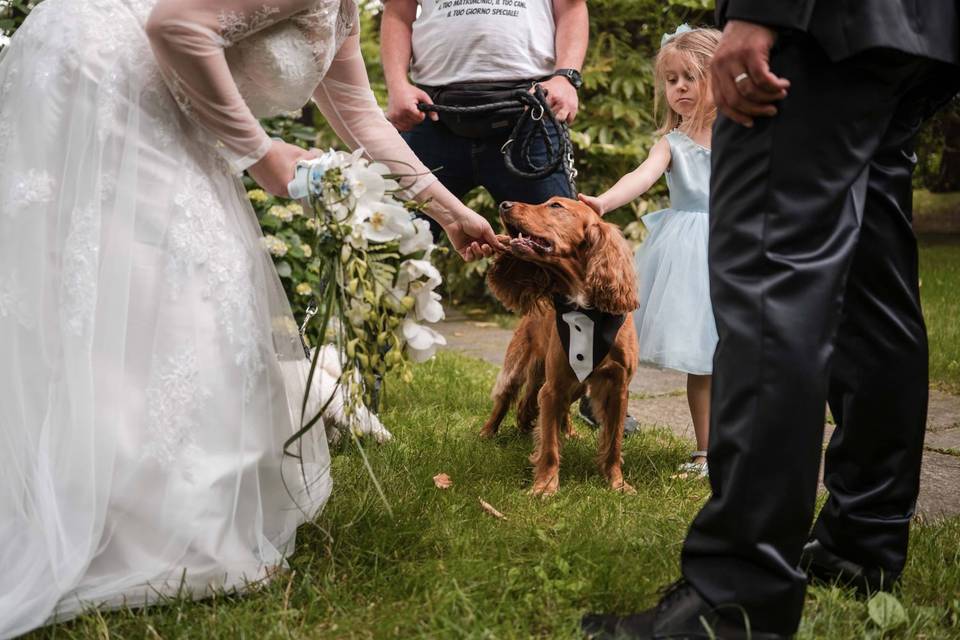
(675, 324)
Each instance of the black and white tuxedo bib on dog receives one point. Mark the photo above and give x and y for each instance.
(586, 335)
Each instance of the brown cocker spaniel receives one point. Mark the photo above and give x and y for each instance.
(571, 275)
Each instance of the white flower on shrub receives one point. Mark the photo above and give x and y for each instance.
(421, 341)
(275, 245)
(281, 213)
(385, 222)
(295, 209)
(420, 240)
(304, 289)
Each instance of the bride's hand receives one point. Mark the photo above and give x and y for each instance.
(276, 169)
(472, 236)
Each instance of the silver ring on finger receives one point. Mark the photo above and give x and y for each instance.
(740, 78)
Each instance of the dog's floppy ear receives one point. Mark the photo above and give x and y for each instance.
(518, 284)
(611, 284)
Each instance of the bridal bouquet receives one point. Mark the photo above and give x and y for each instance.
(376, 285)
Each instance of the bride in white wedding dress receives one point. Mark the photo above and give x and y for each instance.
(142, 326)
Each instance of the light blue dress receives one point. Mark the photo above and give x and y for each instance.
(675, 325)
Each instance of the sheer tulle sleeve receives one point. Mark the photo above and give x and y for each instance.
(346, 101)
(188, 39)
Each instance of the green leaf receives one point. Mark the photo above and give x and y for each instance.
(886, 611)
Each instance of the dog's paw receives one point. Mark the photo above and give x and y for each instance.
(546, 487)
(487, 433)
(623, 487)
(572, 434)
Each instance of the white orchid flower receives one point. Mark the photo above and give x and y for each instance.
(357, 313)
(368, 186)
(422, 341)
(411, 270)
(428, 307)
(420, 240)
(357, 240)
(385, 222)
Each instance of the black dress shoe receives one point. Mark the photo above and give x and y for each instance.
(825, 567)
(682, 614)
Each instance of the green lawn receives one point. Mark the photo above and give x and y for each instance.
(936, 212)
(440, 567)
(940, 293)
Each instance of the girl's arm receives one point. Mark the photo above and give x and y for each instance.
(635, 183)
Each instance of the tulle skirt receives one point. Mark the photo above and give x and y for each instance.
(675, 325)
(150, 369)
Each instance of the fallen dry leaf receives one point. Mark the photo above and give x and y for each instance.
(442, 481)
(485, 324)
(486, 506)
(458, 334)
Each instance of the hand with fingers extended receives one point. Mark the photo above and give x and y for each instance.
(594, 202)
(402, 106)
(277, 167)
(744, 88)
(562, 98)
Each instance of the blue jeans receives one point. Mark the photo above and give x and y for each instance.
(464, 163)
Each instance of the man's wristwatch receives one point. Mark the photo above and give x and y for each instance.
(572, 75)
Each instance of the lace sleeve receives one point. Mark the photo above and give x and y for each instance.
(188, 39)
(347, 102)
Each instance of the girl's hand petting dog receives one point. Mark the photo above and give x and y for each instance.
(593, 202)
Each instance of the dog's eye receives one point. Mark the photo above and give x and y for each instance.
(556, 205)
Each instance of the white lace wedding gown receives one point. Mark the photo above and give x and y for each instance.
(143, 330)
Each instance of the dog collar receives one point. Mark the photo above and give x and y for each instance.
(587, 335)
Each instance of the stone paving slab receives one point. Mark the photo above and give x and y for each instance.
(658, 399)
(945, 439)
(939, 486)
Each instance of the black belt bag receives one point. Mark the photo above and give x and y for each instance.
(483, 123)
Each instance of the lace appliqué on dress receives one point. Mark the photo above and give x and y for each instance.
(13, 301)
(200, 239)
(30, 187)
(81, 260)
(235, 25)
(326, 26)
(174, 398)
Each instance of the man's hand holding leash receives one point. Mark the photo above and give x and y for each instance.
(402, 107)
(562, 98)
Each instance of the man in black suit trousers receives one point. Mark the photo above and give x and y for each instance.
(813, 274)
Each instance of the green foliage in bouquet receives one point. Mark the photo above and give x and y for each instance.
(368, 274)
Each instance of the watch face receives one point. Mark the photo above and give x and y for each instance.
(573, 76)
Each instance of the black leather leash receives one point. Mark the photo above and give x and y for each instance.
(536, 114)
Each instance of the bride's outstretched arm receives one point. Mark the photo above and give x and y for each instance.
(349, 105)
(188, 39)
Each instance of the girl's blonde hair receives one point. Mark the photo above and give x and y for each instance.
(695, 48)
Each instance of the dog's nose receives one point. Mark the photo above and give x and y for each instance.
(506, 205)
